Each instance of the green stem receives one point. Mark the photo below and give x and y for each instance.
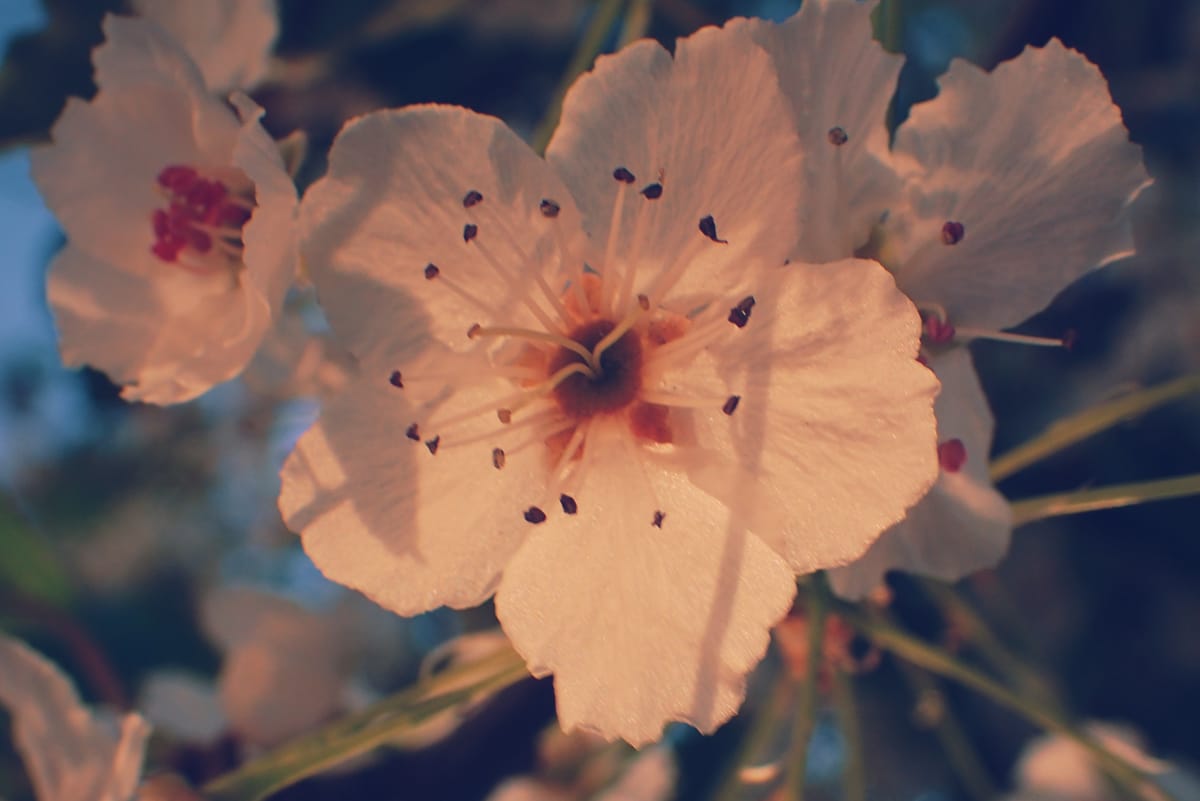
(380, 724)
(854, 779)
(806, 715)
(951, 736)
(589, 47)
(637, 21)
(1118, 495)
(1128, 777)
(753, 749)
(1069, 430)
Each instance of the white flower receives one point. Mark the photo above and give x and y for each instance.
(995, 195)
(229, 40)
(1054, 768)
(70, 752)
(179, 217)
(636, 457)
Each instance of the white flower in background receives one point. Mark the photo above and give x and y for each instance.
(179, 217)
(71, 753)
(648, 776)
(229, 40)
(638, 456)
(1055, 768)
(996, 194)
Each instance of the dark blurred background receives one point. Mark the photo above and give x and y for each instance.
(115, 521)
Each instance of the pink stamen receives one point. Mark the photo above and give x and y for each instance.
(196, 206)
(938, 331)
(952, 455)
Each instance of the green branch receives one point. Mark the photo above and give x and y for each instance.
(1116, 496)
(806, 715)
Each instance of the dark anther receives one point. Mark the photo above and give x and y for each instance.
(549, 208)
(953, 232)
(432, 444)
(396, 380)
(837, 136)
(471, 198)
(708, 227)
(474, 330)
(469, 231)
(497, 458)
(652, 192)
(431, 271)
(535, 515)
(623, 175)
(739, 315)
(568, 504)
(644, 302)
(505, 415)
(412, 433)
(731, 404)
(658, 518)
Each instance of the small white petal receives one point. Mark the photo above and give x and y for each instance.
(836, 76)
(642, 625)
(963, 524)
(70, 753)
(1034, 162)
(718, 138)
(412, 530)
(137, 52)
(833, 437)
(392, 203)
(183, 706)
(229, 40)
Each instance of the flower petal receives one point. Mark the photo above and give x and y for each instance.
(410, 528)
(1035, 164)
(396, 201)
(137, 52)
(963, 524)
(69, 752)
(838, 82)
(229, 40)
(833, 436)
(183, 706)
(642, 624)
(690, 125)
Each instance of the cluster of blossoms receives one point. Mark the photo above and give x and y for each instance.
(636, 387)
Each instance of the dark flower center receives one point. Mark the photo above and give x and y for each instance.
(619, 378)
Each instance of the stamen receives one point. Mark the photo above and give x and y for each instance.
(731, 405)
(739, 315)
(477, 330)
(608, 284)
(534, 515)
(509, 278)
(506, 405)
(396, 380)
(470, 231)
(623, 175)
(838, 136)
(684, 401)
(498, 458)
(659, 516)
(431, 271)
(952, 455)
(549, 208)
(1004, 336)
(708, 227)
(568, 504)
(953, 232)
(432, 444)
(652, 191)
(413, 433)
(472, 198)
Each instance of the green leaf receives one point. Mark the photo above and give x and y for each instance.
(28, 565)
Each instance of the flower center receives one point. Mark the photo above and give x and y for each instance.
(616, 382)
(200, 227)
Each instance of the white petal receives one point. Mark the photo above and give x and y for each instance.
(711, 126)
(642, 625)
(835, 75)
(963, 524)
(833, 438)
(270, 235)
(230, 40)
(411, 529)
(70, 753)
(99, 175)
(138, 52)
(1034, 161)
(392, 203)
(282, 672)
(183, 706)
